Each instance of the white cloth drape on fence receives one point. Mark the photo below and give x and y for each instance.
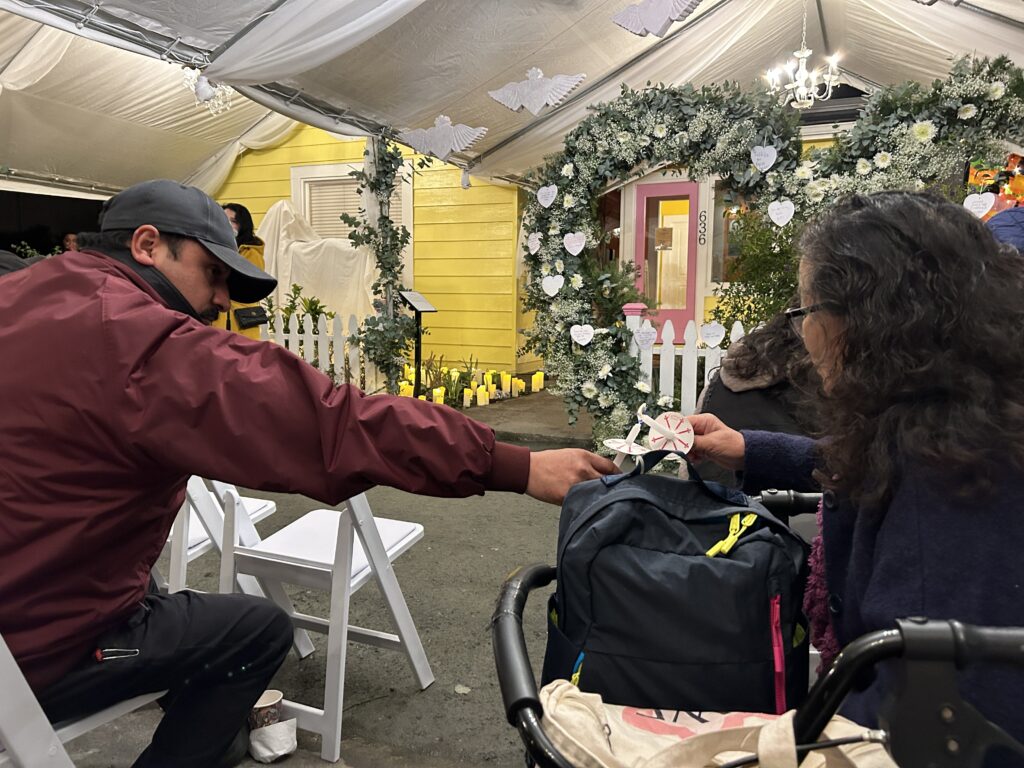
(331, 269)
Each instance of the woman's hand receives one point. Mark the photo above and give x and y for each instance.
(713, 441)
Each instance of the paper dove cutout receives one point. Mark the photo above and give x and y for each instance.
(536, 91)
(654, 16)
(443, 139)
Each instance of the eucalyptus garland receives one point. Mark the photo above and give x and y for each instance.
(387, 336)
(705, 131)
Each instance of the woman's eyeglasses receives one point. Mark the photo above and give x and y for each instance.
(796, 317)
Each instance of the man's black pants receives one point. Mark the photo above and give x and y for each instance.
(214, 653)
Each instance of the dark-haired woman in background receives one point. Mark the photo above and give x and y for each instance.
(912, 314)
(763, 383)
(251, 247)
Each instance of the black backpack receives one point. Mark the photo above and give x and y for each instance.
(677, 594)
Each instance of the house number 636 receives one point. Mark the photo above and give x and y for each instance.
(702, 227)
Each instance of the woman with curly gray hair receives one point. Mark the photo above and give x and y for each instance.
(912, 314)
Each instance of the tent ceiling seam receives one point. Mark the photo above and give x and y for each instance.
(583, 92)
(824, 29)
(220, 49)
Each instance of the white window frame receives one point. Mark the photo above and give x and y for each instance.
(302, 175)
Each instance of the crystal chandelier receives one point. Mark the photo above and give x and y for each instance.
(216, 98)
(805, 86)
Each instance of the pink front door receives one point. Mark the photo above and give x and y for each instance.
(666, 251)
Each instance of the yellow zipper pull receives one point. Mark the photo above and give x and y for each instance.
(748, 521)
(724, 545)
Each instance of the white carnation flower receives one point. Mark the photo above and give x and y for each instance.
(553, 229)
(606, 401)
(882, 159)
(863, 167)
(545, 269)
(568, 170)
(576, 281)
(923, 131)
(643, 386)
(803, 172)
(568, 201)
(623, 136)
(603, 373)
(660, 131)
(602, 146)
(996, 89)
(814, 192)
(559, 266)
(644, 140)
(966, 112)
(666, 401)
(589, 390)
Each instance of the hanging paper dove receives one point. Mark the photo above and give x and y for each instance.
(536, 91)
(653, 16)
(443, 139)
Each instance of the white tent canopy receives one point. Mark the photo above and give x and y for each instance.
(75, 108)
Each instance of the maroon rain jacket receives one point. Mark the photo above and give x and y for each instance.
(109, 401)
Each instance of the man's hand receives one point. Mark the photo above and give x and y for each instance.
(713, 441)
(553, 473)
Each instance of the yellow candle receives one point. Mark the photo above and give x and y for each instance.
(491, 390)
(405, 389)
(439, 395)
(517, 387)
(467, 397)
(506, 381)
(488, 379)
(423, 397)
(535, 382)
(481, 396)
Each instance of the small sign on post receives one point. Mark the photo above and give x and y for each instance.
(418, 304)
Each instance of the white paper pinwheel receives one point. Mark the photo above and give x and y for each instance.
(653, 16)
(627, 447)
(536, 91)
(443, 139)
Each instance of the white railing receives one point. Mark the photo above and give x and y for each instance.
(325, 347)
(691, 349)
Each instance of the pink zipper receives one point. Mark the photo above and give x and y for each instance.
(779, 654)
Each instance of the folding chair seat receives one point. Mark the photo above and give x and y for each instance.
(337, 552)
(27, 738)
(192, 528)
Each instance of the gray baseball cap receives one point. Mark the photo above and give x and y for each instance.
(188, 211)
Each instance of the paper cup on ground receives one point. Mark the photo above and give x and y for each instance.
(273, 742)
(266, 711)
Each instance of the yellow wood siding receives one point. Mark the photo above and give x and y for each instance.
(464, 243)
(465, 263)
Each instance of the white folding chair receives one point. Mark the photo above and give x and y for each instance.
(319, 551)
(27, 738)
(190, 538)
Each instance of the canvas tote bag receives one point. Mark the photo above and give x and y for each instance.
(591, 734)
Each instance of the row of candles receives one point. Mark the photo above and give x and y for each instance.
(484, 385)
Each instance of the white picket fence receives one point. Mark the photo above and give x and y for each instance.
(690, 351)
(326, 347)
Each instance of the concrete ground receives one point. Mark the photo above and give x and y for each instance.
(451, 580)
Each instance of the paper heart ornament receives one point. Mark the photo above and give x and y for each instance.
(582, 334)
(552, 284)
(533, 242)
(713, 333)
(574, 242)
(671, 432)
(644, 337)
(546, 195)
(981, 204)
(781, 212)
(763, 158)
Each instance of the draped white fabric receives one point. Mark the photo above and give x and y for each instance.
(304, 34)
(331, 269)
(400, 63)
(36, 58)
(270, 131)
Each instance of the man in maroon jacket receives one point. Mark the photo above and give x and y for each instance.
(115, 391)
